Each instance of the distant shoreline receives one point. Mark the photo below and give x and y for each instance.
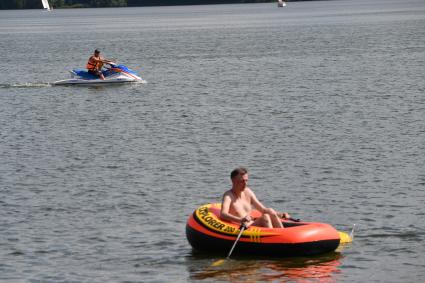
(70, 4)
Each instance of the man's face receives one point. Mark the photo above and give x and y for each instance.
(242, 181)
(97, 54)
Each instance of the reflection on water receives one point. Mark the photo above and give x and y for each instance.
(324, 269)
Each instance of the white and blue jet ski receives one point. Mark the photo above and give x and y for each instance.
(115, 74)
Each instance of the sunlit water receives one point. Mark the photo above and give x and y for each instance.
(323, 101)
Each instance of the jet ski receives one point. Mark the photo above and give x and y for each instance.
(115, 74)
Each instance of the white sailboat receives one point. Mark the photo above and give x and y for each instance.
(46, 5)
(280, 3)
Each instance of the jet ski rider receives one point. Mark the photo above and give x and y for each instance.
(95, 63)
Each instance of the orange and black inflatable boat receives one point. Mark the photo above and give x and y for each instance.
(205, 231)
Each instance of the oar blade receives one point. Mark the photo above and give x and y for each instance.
(344, 238)
(218, 262)
(221, 261)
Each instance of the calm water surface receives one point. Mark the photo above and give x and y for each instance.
(323, 101)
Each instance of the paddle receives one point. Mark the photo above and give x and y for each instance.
(221, 261)
(283, 216)
(345, 237)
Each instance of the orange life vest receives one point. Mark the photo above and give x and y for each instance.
(92, 64)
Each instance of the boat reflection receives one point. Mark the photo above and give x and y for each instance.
(323, 269)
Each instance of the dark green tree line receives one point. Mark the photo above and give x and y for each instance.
(36, 4)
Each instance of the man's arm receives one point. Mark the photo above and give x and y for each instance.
(256, 203)
(260, 207)
(105, 61)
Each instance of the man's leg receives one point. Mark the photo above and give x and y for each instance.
(99, 72)
(277, 223)
(275, 219)
(263, 221)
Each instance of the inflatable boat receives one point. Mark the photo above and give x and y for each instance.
(205, 231)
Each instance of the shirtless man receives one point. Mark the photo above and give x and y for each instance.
(237, 204)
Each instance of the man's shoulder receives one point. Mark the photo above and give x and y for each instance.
(249, 191)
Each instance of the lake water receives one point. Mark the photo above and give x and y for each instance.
(323, 101)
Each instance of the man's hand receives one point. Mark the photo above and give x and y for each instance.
(246, 219)
(284, 215)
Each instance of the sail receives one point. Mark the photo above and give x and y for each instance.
(46, 4)
(281, 3)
